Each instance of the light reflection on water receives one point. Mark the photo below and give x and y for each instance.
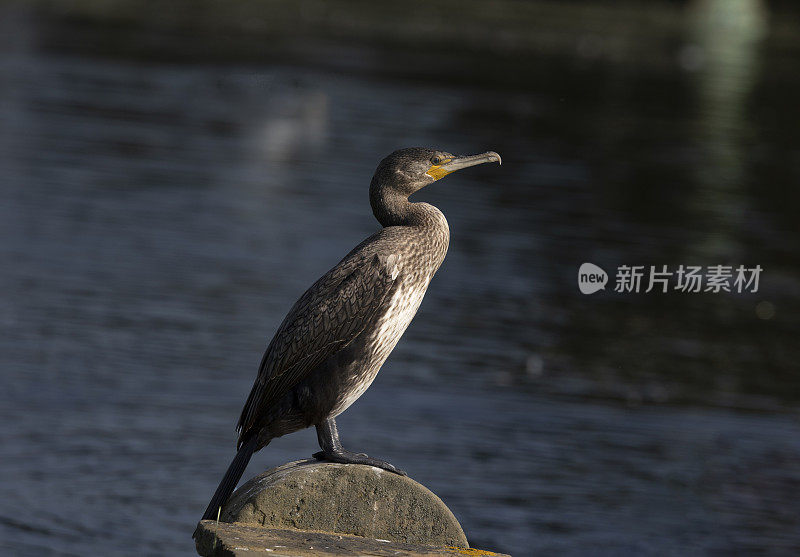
(159, 220)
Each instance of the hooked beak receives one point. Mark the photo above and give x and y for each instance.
(457, 163)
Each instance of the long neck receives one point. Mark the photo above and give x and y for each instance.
(392, 208)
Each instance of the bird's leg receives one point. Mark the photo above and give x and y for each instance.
(332, 449)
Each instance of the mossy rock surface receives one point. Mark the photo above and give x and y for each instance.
(345, 499)
(230, 539)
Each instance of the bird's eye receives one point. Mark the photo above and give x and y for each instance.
(436, 160)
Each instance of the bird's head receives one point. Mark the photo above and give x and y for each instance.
(409, 170)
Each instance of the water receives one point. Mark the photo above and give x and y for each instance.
(159, 219)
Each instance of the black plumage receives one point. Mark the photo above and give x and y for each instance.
(337, 336)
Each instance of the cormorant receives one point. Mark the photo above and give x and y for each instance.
(336, 337)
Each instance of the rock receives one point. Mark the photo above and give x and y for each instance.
(223, 539)
(345, 499)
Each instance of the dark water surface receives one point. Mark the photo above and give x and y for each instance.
(158, 220)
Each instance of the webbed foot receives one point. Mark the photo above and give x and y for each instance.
(346, 457)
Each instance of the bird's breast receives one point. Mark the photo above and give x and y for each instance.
(398, 314)
(379, 341)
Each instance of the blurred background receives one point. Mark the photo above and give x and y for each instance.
(174, 175)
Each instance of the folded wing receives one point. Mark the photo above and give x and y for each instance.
(327, 317)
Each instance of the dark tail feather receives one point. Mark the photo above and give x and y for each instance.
(232, 477)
